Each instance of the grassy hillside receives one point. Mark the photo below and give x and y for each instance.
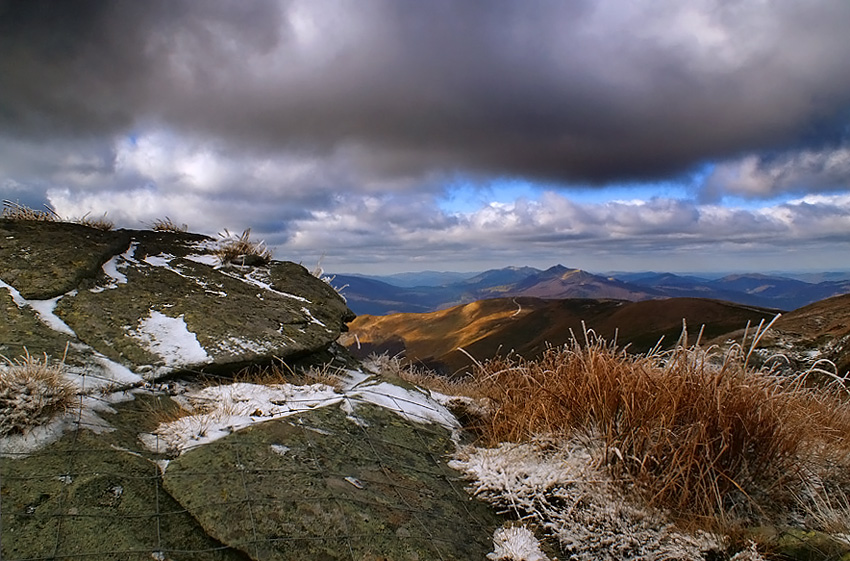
(528, 325)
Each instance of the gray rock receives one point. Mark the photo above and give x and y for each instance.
(319, 486)
(154, 302)
(95, 496)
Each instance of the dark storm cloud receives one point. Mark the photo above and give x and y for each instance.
(589, 91)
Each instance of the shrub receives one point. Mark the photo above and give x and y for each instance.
(240, 250)
(32, 391)
(17, 211)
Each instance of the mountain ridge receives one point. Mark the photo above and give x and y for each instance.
(371, 295)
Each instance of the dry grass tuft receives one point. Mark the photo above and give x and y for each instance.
(101, 223)
(240, 250)
(17, 211)
(695, 430)
(167, 225)
(281, 373)
(396, 366)
(163, 410)
(32, 391)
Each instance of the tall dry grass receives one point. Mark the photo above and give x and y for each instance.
(168, 225)
(17, 211)
(99, 223)
(696, 431)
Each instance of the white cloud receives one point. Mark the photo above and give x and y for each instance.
(657, 233)
(800, 171)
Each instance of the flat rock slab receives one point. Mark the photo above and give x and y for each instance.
(321, 486)
(45, 259)
(155, 302)
(91, 496)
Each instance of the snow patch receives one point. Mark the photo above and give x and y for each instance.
(110, 268)
(205, 259)
(19, 300)
(238, 345)
(85, 414)
(279, 449)
(170, 339)
(44, 309)
(225, 409)
(252, 278)
(556, 486)
(161, 260)
(311, 318)
(218, 411)
(413, 405)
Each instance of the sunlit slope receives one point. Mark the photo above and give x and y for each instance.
(819, 331)
(526, 325)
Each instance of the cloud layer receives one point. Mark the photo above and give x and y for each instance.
(288, 114)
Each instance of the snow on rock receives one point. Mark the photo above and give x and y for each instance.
(259, 278)
(205, 259)
(44, 309)
(19, 300)
(216, 411)
(107, 375)
(413, 405)
(237, 345)
(161, 260)
(170, 339)
(309, 315)
(110, 268)
(221, 410)
(516, 543)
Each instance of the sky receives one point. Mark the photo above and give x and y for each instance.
(381, 136)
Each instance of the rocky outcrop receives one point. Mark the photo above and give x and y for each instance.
(279, 472)
(125, 305)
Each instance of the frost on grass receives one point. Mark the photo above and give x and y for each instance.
(558, 489)
(516, 544)
(170, 339)
(32, 392)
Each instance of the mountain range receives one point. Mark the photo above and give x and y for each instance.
(431, 291)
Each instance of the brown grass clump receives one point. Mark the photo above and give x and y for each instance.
(164, 410)
(32, 391)
(168, 225)
(101, 223)
(17, 211)
(696, 431)
(281, 373)
(240, 250)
